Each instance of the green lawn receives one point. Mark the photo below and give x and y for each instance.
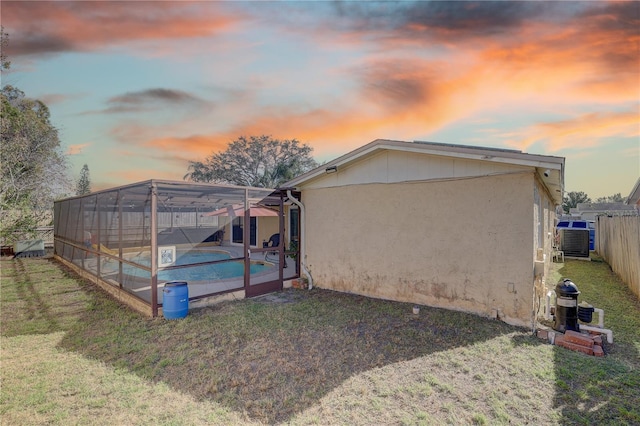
(72, 355)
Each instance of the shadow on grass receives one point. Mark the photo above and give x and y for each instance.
(36, 298)
(271, 358)
(35, 305)
(592, 390)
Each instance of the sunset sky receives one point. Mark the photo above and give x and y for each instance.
(138, 89)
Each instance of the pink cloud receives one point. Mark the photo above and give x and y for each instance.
(56, 98)
(511, 60)
(77, 149)
(52, 27)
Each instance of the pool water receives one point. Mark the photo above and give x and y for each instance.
(187, 257)
(217, 271)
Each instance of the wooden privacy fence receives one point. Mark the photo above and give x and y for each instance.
(618, 242)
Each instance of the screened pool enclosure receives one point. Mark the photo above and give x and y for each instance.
(222, 240)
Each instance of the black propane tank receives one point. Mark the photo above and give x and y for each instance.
(566, 315)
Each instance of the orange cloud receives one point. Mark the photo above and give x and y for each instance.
(128, 176)
(401, 98)
(514, 56)
(601, 68)
(195, 147)
(586, 130)
(512, 61)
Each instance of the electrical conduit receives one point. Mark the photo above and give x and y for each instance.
(600, 327)
(302, 237)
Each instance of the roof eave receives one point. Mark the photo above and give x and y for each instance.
(540, 162)
(634, 195)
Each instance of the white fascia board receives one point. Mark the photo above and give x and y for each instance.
(520, 159)
(344, 159)
(470, 153)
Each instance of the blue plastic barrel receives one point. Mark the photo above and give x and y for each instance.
(175, 300)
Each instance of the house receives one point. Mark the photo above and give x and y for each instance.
(459, 227)
(590, 211)
(634, 197)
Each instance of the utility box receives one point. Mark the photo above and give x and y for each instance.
(574, 242)
(28, 248)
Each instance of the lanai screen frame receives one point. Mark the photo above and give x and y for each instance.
(129, 221)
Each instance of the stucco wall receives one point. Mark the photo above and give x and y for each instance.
(395, 167)
(462, 244)
(267, 226)
(543, 239)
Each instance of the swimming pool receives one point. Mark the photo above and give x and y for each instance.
(210, 272)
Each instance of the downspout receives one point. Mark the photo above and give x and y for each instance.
(302, 238)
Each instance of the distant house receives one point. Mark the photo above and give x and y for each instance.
(634, 197)
(459, 227)
(590, 211)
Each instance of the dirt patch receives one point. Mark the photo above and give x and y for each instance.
(285, 296)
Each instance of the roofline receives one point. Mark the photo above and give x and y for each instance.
(497, 155)
(634, 195)
(151, 182)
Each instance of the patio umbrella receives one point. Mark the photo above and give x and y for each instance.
(238, 210)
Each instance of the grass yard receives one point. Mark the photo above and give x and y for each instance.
(72, 355)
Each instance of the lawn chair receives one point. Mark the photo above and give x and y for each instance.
(274, 242)
(557, 254)
(216, 237)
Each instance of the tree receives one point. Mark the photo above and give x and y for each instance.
(34, 168)
(83, 186)
(572, 199)
(5, 64)
(615, 198)
(258, 161)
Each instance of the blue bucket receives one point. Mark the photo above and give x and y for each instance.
(175, 300)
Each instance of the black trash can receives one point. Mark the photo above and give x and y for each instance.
(566, 317)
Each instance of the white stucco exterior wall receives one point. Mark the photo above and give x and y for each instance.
(544, 219)
(463, 243)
